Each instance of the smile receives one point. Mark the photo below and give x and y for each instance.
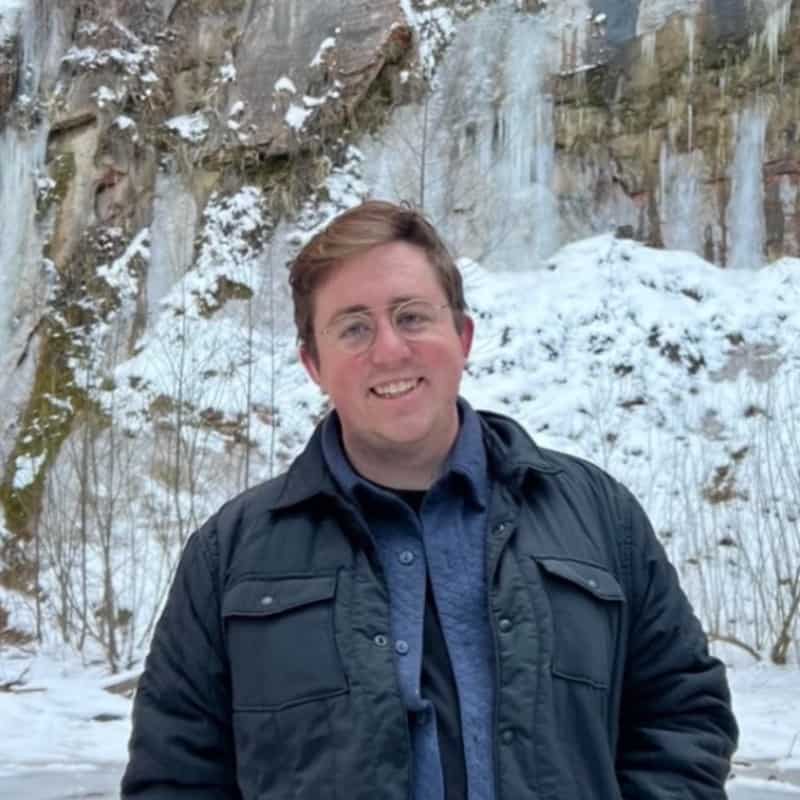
(396, 388)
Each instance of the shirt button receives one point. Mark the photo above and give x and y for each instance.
(507, 736)
(267, 600)
(380, 640)
(500, 529)
(401, 647)
(506, 625)
(406, 557)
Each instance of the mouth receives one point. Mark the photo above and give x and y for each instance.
(395, 389)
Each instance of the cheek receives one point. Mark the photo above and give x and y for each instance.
(342, 381)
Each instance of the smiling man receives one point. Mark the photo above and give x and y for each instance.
(426, 604)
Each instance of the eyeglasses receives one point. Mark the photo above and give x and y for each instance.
(355, 332)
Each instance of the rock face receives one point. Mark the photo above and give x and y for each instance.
(113, 112)
(685, 135)
(8, 73)
(519, 125)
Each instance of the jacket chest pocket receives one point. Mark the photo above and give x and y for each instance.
(281, 641)
(585, 601)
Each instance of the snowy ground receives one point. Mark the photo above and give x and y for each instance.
(62, 727)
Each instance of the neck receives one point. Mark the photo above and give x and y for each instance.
(396, 470)
(409, 465)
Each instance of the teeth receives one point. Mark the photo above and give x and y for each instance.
(394, 389)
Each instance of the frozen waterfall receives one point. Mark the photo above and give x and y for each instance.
(745, 212)
(22, 153)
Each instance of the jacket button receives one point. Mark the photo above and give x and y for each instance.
(507, 736)
(406, 557)
(380, 640)
(267, 600)
(499, 529)
(592, 583)
(401, 647)
(506, 625)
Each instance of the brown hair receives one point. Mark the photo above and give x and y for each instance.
(357, 230)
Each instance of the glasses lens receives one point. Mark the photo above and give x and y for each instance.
(415, 317)
(353, 332)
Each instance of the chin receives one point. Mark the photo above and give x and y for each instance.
(406, 434)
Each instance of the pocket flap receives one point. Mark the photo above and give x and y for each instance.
(267, 596)
(595, 580)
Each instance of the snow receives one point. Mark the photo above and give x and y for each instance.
(767, 702)
(104, 96)
(118, 275)
(191, 127)
(327, 44)
(133, 62)
(296, 116)
(9, 17)
(123, 122)
(51, 721)
(285, 84)
(435, 29)
(26, 469)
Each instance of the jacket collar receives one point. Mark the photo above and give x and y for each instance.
(512, 457)
(466, 459)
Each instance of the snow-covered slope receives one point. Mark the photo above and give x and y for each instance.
(664, 369)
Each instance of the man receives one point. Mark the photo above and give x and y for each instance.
(426, 604)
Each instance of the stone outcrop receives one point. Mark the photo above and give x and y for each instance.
(8, 73)
(653, 138)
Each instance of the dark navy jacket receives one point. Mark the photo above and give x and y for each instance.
(270, 677)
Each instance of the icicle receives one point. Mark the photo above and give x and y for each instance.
(173, 233)
(775, 25)
(679, 199)
(689, 32)
(745, 212)
(22, 154)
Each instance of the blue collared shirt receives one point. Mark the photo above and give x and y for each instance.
(446, 543)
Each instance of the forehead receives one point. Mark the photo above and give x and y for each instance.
(379, 276)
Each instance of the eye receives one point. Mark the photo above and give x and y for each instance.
(353, 330)
(414, 317)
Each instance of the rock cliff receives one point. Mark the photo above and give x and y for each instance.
(128, 130)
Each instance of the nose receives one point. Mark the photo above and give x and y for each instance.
(389, 346)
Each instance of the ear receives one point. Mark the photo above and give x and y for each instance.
(467, 332)
(311, 365)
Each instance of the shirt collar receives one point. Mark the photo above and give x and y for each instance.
(467, 457)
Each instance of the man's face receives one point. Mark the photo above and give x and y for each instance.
(399, 395)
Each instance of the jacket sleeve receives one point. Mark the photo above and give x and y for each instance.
(677, 730)
(181, 744)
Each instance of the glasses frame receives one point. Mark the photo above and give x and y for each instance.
(369, 315)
